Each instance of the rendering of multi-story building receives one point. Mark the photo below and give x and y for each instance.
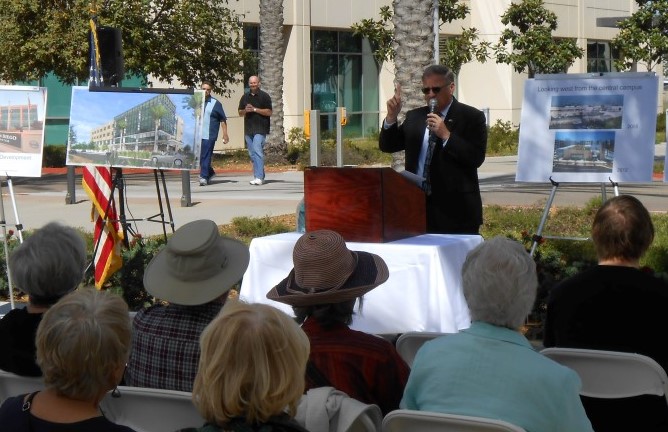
(150, 126)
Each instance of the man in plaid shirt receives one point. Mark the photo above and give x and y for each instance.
(194, 273)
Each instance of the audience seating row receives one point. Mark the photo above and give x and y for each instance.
(604, 374)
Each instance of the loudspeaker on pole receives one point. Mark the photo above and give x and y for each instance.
(112, 67)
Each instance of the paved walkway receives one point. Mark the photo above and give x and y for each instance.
(41, 200)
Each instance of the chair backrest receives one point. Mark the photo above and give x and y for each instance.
(151, 410)
(424, 421)
(409, 343)
(611, 374)
(14, 385)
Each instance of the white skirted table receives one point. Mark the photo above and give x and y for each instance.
(423, 292)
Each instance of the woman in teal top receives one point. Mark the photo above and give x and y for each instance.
(490, 370)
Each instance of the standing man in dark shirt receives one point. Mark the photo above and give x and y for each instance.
(255, 107)
(459, 136)
(214, 119)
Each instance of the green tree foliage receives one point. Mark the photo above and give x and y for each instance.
(455, 51)
(379, 33)
(527, 42)
(643, 37)
(189, 40)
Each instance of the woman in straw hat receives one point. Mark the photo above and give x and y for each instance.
(326, 281)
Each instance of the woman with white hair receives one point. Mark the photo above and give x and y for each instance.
(83, 344)
(490, 369)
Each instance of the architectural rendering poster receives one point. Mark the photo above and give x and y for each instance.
(588, 129)
(22, 114)
(135, 128)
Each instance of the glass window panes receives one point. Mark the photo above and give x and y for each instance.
(252, 45)
(344, 73)
(600, 56)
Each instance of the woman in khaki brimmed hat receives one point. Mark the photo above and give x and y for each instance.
(323, 287)
(194, 274)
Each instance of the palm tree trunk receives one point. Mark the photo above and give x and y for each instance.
(414, 37)
(272, 52)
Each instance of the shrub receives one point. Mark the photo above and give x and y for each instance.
(502, 139)
(129, 280)
(54, 156)
(298, 145)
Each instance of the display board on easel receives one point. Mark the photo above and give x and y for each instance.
(135, 127)
(588, 128)
(22, 116)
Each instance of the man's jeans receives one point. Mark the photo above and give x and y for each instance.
(206, 153)
(255, 146)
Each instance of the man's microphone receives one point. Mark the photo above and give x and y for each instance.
(432, 109)
(432, 105)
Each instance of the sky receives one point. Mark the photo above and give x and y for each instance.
(19, 95)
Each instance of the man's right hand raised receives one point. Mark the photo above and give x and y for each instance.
(394, 105)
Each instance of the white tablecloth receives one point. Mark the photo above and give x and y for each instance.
(423, 292)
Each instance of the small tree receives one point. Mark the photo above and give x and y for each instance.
(455, 51)
(189, 40)
(533, 49)
(643, 37)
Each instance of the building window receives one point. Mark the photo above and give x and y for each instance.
(252, 44)
(601, 56)
(344, 73)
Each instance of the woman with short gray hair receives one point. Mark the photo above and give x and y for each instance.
(47, 265)
(83, 343)
(490, 369)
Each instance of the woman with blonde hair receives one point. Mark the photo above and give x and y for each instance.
(83, 343)
(251, 370)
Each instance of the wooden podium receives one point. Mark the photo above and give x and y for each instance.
(371, 205)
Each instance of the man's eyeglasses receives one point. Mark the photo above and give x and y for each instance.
(434, 90)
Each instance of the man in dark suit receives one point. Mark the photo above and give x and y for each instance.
(458, 133)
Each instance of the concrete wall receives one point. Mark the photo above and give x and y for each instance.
(487, 85)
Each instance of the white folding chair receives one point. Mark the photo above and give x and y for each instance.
(612, 374)
(409, 343)
(424, 421)
(14, 385)
(151, 410)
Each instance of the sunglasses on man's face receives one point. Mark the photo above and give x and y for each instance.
(434, 90)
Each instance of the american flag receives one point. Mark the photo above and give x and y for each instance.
(107, 235)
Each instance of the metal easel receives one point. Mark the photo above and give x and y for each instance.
(19, 229)
(538, 237)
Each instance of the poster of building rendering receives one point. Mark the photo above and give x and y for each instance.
(584, 128)
(149, 128)
(22, 114)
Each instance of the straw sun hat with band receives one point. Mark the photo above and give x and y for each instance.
(196, 266)
(326, 271)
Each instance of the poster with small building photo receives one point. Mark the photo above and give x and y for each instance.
(588, 128)
(587, 112)
(141, 128)
(22, 114)
(583, 152)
